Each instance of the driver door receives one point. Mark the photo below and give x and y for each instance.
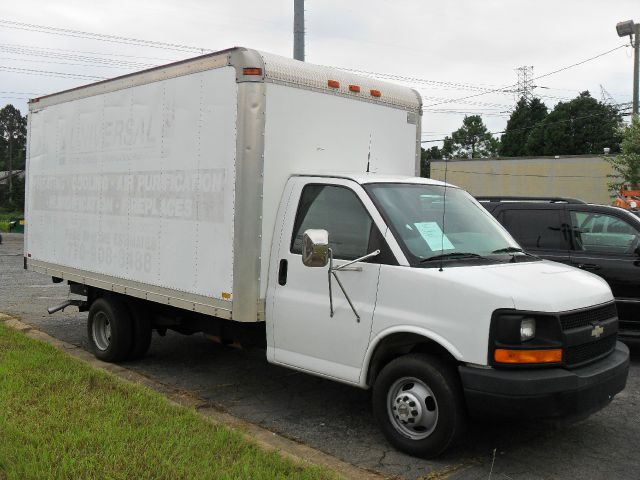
(305, 335)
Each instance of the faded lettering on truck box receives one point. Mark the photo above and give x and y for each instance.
(187, 195)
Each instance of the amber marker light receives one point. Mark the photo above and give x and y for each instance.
(333, 83)
(375, 93)
(354, 88)
(502, 355)
(252, 71)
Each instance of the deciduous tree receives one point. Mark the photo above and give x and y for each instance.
(426, 155)
(626, 165)
(581, 126)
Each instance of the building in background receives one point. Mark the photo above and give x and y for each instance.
(577, 176)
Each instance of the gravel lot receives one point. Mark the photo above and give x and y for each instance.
(337, 419)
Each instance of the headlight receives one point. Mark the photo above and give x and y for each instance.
(524, 338)
(527, 329)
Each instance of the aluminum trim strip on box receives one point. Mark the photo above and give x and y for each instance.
(247, 238)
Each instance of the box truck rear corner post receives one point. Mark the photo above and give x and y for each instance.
(276, 203)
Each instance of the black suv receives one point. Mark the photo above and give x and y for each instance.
(597, 238)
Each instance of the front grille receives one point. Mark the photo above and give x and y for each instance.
(587, 317)
(589, 351)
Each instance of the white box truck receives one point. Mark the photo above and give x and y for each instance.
(269, 201)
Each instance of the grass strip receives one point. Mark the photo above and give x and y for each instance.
(60, 418)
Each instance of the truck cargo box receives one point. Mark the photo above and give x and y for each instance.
(164, 184)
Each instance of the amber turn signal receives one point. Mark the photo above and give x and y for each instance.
(252, 71)
(502, 355)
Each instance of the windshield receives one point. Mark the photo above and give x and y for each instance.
(428, 230)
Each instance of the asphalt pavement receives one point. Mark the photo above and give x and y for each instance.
(336, 418)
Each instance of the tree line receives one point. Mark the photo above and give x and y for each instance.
(579, 126)
(13, 139)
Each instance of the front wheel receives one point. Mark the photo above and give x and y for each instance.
(418, 403)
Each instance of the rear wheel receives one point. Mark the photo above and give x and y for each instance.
(141, 323)
(109, 329)
(417, 401)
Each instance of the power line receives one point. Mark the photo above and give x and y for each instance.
(580, 63)
(433, 162)
(535, 125)
(534, 78)
(35, 52)
(109, 54)
(22, 93)
(414, 80)
(120, 67)
(47, 73)
(463, 112)
(101, 37)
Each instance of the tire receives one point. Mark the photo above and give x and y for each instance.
(418, 403)
(109, 329)
(141, 329)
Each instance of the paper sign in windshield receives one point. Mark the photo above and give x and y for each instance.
(432, 234)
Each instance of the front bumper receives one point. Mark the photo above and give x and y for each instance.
(545, 393)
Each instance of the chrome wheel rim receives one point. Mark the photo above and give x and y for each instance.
(101, 331)
(412, 408)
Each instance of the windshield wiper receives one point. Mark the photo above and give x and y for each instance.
(509, 250)
(513, 250)
(452, 255)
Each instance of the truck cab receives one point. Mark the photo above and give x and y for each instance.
(410, 287)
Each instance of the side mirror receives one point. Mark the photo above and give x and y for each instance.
(315, 248)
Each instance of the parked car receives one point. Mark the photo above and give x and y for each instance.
(597, 238)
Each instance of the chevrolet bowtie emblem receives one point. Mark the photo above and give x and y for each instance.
(597, 331)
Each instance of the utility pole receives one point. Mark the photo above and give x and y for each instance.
(636, 67)
(298, 29)
(633, 30)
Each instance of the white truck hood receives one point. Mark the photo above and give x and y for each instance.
(454, 306)
(547, 286)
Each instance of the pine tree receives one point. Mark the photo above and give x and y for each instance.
(471, 140)
(523, 119)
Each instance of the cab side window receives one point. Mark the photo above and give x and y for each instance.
(339, 211)
(537, 229)
(602, 233)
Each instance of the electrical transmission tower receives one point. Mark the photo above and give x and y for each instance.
(606, 97)
(525, 83)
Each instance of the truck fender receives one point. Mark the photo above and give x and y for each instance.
(422, 332)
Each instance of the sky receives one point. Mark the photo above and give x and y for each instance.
(445, 49)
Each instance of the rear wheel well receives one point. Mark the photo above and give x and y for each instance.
(399, 344)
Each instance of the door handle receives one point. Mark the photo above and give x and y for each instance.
(282, 272)
(589, 266)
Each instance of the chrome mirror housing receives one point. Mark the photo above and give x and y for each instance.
(315, 248)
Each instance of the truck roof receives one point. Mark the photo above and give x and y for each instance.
(366, 178)
(255, 66)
